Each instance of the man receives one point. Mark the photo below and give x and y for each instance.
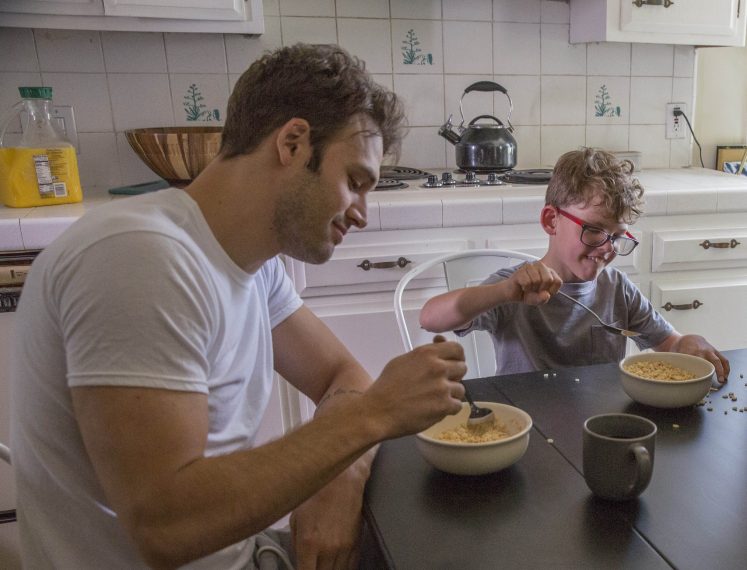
(148, 334)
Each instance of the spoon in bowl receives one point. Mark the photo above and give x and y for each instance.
(477, 415)
(608, 327)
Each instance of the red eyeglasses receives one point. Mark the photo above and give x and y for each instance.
(597, 237)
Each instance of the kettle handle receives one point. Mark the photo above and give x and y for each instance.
(473, 121)
(486, 86)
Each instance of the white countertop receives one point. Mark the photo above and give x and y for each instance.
(667, 192)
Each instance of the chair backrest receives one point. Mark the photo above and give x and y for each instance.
(461, 269)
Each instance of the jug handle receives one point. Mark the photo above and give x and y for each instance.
(5, 119)
(486, 86)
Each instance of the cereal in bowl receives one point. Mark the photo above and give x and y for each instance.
(478, 433)
(658, 370)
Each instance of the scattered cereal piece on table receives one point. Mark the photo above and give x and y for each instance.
(675, 426)
(577, 379)
(550, 440)
(546, 375)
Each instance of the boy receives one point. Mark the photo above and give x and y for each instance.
(590, 200)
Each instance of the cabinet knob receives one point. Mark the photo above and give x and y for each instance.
(366, 265)
(719, 244)
(686, 307)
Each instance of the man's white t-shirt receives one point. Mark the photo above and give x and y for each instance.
(136, 293)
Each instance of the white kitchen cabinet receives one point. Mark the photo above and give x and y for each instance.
(714, 307)
(690, 22)
(215, 16)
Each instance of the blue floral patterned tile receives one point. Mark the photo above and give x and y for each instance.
(608, 100)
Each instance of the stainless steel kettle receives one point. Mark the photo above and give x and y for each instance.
(483, 147)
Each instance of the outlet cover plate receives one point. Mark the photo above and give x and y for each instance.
(676, 127)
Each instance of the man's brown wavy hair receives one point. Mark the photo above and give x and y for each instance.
(322, 84)
(581, 176)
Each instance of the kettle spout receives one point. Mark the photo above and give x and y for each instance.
(448, 133)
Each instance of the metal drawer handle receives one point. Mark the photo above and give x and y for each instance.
(720, 244)
(686, 307)
(667, 3)
(365, 265)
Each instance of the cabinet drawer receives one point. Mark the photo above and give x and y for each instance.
(714, 308)
(699, 249)
(375, 267)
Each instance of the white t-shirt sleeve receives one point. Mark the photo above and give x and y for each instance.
(146, 320)
(282, 299)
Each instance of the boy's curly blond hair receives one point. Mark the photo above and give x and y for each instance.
(582, 175)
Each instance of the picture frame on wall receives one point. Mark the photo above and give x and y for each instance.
(729, 158)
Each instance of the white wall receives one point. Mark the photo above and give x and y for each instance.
(721, 102)
(117, 81)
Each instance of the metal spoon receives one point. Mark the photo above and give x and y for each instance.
(477, 415)
(608, 327)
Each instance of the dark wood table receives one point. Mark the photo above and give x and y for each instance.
(539, 512)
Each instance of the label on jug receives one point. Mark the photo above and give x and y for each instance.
(39, 176)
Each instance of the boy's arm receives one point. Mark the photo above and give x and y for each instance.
(532, 283)
(697, 346)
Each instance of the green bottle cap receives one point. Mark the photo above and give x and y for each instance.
(35, 92)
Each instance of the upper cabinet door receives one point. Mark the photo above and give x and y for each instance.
(187, 9)
(689, 22)
(68, 7)
(212, 16)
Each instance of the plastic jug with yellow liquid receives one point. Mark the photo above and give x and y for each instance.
(42, 169)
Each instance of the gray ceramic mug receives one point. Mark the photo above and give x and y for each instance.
(618, 455)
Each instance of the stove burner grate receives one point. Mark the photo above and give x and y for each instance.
(390, 184)
(402, 173)
(529, 176)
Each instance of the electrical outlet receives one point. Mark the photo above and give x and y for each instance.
(676, 127)
(65, 119)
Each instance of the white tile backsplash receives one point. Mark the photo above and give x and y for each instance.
(69, 50)
(140, 100)
(558, 56)
(607, 100)
(417, 46)
(564, 100)
(242, 50)
(423, 148)
(468, 47)
(554, 12)
(133, 52)
(121, 80)
(195, 53)
(307, 8)
(368, 39)
(88, 93)
(308, 30)
(648, 97)
(18, 49)
(199, 99)
(650, 142)
(476, 10)
(363, 9)
(416, 9)
(517, 10)
(558, 140)
(608, 137)
(516, 49)
(608, 59)
(423, 96)
(524, 91)
(652, 59)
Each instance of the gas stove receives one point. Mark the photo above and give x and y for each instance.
(394, 177)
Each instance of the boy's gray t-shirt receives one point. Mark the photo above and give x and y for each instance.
(560, 334)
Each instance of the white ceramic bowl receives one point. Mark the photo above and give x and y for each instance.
(668, 393)
(477, 458)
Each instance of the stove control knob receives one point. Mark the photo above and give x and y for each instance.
(471, 178)
(493, 178)
(432, 181)
(447, 178)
